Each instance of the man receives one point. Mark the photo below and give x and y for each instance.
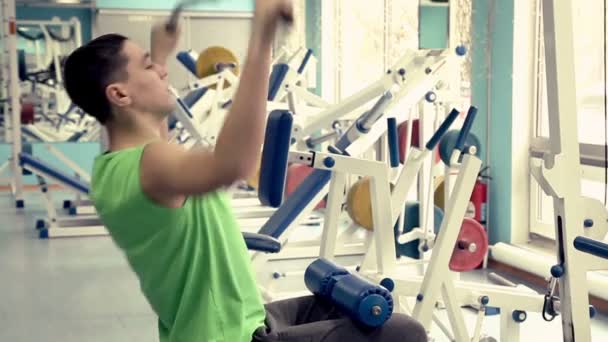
(164, 207)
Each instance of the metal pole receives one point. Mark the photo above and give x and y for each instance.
(9, 24)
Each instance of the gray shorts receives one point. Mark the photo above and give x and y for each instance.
(306, 319)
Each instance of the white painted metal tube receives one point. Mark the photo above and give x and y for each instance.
(540, 265)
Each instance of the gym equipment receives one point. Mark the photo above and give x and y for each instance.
(380, 265)
(448, 142)
(415, 129)
(425, 71)
(351, 143)
(471, 246)
(10, 81)
(365, 303)
(358, 203)
(89, 226)
(439, 192)
(55, 226)
(413, 249)
(359, 208)
(558, 172)
(247, 215)
(274, 155)
(44, 73)
(214, 60)
(199, 116)
(295, 175)
(55, 118)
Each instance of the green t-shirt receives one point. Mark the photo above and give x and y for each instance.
(192, 262)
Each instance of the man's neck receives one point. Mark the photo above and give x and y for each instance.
(124, 135)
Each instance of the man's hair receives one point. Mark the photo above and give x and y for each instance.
(90, 69)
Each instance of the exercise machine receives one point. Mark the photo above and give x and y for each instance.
(12, 106)
(580, 223)
(393, 88)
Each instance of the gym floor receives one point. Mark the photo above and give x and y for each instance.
(82, 289)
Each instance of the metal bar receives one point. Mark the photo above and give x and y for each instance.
(14, 93)
(564, 152)
(164, 13)
(590, 155)
(82, 173)
(334, 206)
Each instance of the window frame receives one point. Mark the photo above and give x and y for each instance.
(592, 155)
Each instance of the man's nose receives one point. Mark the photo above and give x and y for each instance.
(162, 71)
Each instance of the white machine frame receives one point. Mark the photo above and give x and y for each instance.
(10, 70)
(13, 106)
(427, 66)
(559, 163)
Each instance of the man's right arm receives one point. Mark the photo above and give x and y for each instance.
(169, 171)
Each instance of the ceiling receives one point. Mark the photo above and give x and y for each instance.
(67, 3)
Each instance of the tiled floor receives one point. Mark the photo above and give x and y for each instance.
(65, 290)
(81, 289)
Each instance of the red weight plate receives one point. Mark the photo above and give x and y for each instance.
(414, 142)
(295, 175)
(27, 113)
(465, 259)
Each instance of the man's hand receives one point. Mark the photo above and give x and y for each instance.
(268, 15)
(163, 42)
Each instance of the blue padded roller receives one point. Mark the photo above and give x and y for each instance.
(279, 71)
(261, 243)
(190, 64)
(318, 276)
(363, 301)
(26, 159)
(273, 169)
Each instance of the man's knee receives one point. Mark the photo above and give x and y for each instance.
(403, 328)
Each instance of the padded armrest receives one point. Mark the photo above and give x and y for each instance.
(275, 154)
(262, 243)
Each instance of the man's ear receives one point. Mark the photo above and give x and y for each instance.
(118, 95)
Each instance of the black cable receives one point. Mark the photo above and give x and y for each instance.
(57, 37)
(605, 115)
(22, 33)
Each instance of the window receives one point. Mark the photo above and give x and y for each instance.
(367, 39)
(589, 38)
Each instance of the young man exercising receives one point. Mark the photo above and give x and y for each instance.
(164, 205)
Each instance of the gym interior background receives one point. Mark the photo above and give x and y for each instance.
(79, 288)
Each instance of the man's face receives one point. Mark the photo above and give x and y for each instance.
(147, 83)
